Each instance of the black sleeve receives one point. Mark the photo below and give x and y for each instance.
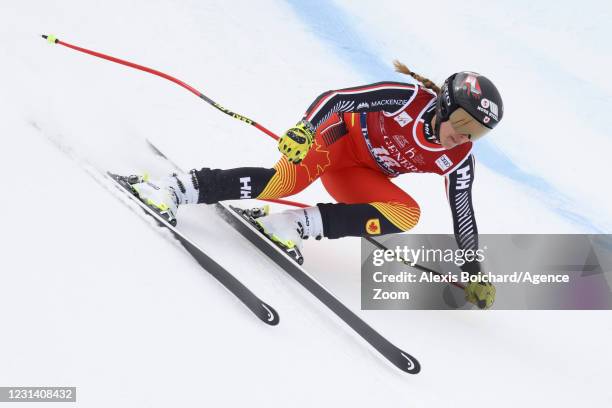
(459, 193)
(381, 96)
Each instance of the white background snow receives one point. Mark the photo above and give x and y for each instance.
(92, 296)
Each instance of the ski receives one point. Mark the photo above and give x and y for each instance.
(262, 310)
(242, 221)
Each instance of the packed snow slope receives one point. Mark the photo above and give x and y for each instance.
(93, 295)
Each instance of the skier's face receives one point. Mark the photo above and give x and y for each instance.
(450, 138)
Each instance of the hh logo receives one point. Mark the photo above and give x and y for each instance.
(463, 178)
(373, 226)
(444, 162)
(403, 119)
(245, 187)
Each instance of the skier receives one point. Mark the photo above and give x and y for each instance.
(356, 140)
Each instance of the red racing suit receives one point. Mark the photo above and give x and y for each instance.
(365, 136)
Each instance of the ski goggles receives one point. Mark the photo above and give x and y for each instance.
(465, 123)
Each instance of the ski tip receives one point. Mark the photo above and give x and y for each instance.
(408, 363)
(268, 315)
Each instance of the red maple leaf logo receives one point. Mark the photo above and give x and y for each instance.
(373, 226)
(316, 161)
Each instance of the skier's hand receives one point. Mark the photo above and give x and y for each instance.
(296, 142)
(482, 294)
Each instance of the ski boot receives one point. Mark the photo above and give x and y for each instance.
(286, 229)
(166, 194)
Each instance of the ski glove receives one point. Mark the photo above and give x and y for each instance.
(296, 142)
(482, 294)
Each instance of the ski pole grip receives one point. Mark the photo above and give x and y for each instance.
(51, 39)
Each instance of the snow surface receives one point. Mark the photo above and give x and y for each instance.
(92, 296)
